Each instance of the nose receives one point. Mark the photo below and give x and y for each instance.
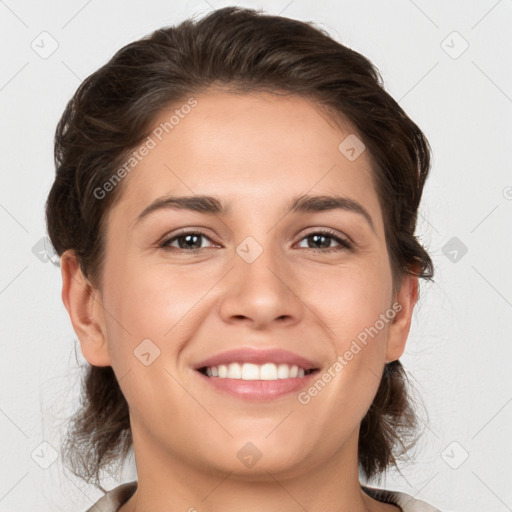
(261, 293)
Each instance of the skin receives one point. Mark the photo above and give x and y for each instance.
(256, 151)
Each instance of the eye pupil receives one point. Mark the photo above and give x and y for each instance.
(317, 237)
(187, 239)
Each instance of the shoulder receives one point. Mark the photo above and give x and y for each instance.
(112, 500)
(404, 501)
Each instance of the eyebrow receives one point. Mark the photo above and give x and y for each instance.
(213, 206)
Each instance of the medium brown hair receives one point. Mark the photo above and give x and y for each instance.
(242, 50)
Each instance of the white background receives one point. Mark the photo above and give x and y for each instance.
(460, 348)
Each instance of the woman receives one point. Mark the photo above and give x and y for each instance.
(234, 210)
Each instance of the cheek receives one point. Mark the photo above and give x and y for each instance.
(149, 309)
(352, 299)
(150, 302)
(352, 305)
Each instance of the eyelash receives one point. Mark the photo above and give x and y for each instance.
(343, 244)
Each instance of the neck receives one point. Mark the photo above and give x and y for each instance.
(168, 484)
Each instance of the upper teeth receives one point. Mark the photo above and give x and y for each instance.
(250, 371)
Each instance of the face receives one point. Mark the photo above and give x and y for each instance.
(309, 287)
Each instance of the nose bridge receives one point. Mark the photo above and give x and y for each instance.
(260, 264)
(258, 288)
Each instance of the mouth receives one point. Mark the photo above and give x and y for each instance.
(256, 374)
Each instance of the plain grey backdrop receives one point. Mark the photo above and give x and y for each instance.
(448, 64)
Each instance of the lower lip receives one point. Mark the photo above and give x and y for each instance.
(258, 389)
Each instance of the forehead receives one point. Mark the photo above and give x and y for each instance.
(259, 144)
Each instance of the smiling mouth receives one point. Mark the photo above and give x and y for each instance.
(251, 371)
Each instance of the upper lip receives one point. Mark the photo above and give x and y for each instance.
(257, 356)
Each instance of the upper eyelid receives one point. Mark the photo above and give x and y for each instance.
(184, 232)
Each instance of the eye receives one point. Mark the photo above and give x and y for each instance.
(320, 241)
(187, 241)
(323, 239)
